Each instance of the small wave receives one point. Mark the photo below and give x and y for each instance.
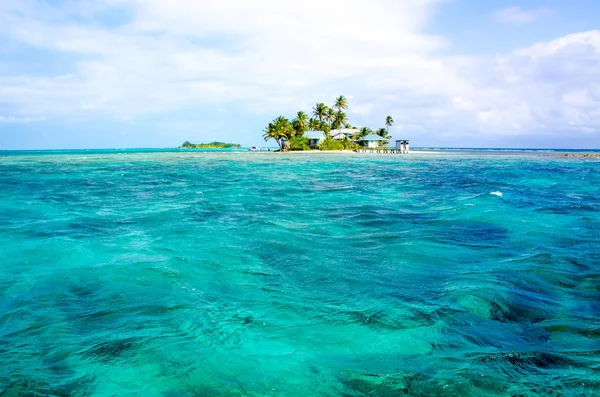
(499, 194)
(333, 188)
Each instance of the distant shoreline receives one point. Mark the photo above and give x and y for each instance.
(352, 152)
(588, 155)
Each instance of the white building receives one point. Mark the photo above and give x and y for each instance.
(371, 141)
(343, 133)
(402, 146)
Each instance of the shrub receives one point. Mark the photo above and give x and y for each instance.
(331, 144)
(349, 145)
(298, 143)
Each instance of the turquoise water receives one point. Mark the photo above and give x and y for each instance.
(263, 274)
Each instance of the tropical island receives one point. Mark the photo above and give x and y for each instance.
(327, 129)
(212, 145)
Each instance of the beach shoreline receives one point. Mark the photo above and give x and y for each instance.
(349, 152)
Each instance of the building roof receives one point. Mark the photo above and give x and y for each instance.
(372, 137)
(314, 134)
(402, 140)
(345, 131)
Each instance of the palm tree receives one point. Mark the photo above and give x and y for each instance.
(314, 124)
(341, 103)
(382, 132)
(340, 120)
(302, 118)
(388, 122)
(320, 111)
(364, 131)
(300, 123)
(279, 129)
(330, 116)
(323, 126)
(271, 133)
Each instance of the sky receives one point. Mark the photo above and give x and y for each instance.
(154, 73)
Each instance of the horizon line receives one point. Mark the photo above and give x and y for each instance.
(431, 147)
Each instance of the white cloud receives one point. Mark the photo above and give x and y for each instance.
(546, 87)
(178, 52)
(521, 16)
(276, 57)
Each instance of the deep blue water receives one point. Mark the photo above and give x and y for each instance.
(171, 273)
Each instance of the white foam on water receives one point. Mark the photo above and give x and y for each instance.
(499, 194)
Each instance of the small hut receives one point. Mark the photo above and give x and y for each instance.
(315, 138)
(402, 146)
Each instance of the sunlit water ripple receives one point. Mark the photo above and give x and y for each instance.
(207, 274)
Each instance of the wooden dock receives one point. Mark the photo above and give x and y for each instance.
(383, 151)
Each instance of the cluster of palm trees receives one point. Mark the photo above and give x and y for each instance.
(382, 132)
(330, 118)
(324, 119)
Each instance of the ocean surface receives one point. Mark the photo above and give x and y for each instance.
(181, 274)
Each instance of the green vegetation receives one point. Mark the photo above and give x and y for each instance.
(289, 134)
(335, 144)
(212, 145)
(280, 130)
(298, 142)
(382, 132)
(364, 131)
